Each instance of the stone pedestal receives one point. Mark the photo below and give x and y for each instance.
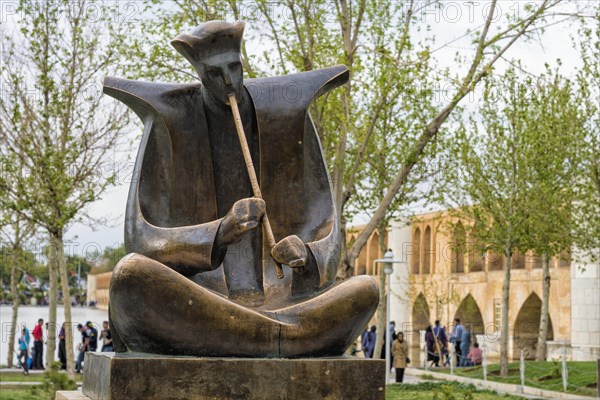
(129, 376)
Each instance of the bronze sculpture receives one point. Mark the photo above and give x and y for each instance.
(201, 277)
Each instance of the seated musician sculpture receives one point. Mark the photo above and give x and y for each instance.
(200, 278)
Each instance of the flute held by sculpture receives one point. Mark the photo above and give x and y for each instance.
(250, 167)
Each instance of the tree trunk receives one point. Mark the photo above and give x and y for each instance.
(52, 301)
(343, 250)
(62, 267)
(15, 310)
(505, 332)
(540, 353)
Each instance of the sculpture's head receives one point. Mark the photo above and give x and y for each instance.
(213, 48)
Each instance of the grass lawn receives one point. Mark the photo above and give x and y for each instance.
(8, 393)
(24, 391)
(543, 375)
(441, 391)
(19, 377)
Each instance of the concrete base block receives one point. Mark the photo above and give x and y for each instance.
(110, 376)
(70, 395)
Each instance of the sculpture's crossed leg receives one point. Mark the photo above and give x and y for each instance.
(179, 317)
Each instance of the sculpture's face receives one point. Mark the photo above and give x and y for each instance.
(214, 71)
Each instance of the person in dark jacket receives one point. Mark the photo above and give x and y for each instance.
(93, 336)
(369, 341)
(432, 347)
(62, 348)
(440, 333)
(392, 332)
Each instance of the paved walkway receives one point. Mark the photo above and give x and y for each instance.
(413, 379)
(31, 371)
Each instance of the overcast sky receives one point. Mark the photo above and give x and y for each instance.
(448, 24)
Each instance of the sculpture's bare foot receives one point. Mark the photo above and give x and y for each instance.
(180, 317)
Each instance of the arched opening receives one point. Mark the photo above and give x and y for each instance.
(517, 260)
(374, 252)
(427, 251)
(470, 315)
(564, 259)
(420, 321)
(525, 335)
(416, 251)
(496, 261)
(361, 262)
(421, 313)
(535, 260)
(459, 242)
(476, 252)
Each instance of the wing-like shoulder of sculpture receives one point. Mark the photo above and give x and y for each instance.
(148, 97)
(296, 90)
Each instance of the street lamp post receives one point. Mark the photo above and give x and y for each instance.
(388, 267)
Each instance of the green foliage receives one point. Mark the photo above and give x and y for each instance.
(586, 211)
(53, 381)
(451, 392)
(556, 371)
(55, 142)
(25, 261)
(513, 169)
(440, 391)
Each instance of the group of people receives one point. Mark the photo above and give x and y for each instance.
(438, 345)
(89, 341)
(32, 357)
(398, 348)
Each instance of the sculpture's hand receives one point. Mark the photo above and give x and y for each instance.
(243, 216)
(291, 251)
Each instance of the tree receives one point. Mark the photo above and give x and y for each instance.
(16, 235)
(513, 171)
(312, 34)
(555, 127)
(586, 209)
(488, 176)
(55, 140)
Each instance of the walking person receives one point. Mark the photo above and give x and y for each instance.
(62, 348)
(369, 342)
(107, 344)
(38, 344)
(93, 336)
(465, 345)
(23, 351)
(83, 347)
(440, 334)
(400, 353)
(389, 332)
(457, 337)
(432, 347)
